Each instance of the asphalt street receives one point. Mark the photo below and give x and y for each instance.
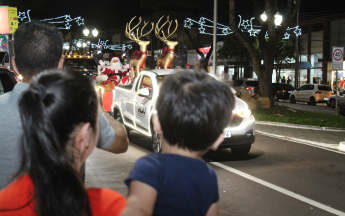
(277, 177)
(319, 108)
(290, 170)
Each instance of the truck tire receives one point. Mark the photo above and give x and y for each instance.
(156, 145)
(241, 150)
(117, 116)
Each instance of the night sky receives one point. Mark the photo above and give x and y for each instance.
(114, 14)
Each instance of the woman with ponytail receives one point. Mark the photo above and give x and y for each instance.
(59, 113)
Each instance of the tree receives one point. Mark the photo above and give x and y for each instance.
(234, 48)
(283, 54)
(267, 47)
(204, 60)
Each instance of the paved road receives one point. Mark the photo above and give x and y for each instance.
(319, 108)
(278, 177)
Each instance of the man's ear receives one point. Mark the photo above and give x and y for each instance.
(219, 140)
(82, 138)
(14, 65)
(60, 65)
(156, 124)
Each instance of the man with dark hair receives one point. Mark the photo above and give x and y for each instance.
(37, 47)
(193, 109)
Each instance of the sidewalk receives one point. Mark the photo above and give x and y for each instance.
(319, 136)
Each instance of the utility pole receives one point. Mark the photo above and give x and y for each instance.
(214, 59)
(297, 55)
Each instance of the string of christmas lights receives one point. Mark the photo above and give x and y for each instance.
(243, 25)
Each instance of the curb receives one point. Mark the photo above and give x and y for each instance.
(341, 146)
(300, 126)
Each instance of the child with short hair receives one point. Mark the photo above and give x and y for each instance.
(193, 109)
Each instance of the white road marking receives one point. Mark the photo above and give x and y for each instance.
(281, 190)
(325, 146)
(307, 127)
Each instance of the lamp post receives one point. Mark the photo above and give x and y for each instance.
(94, 34)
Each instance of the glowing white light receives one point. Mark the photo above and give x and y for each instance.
(78, 44)
(86, 32)
(84, 44)
(95, 32)
(67, 47)
(263, 16)
(278, 19)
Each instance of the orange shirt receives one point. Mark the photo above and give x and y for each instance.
(17, 199)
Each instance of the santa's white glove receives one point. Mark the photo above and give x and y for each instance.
(101, 62)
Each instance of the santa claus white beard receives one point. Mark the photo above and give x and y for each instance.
(115, 67)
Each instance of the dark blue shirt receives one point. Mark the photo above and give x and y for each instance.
(185, 186)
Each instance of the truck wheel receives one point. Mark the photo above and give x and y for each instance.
(332, 103)
(156, 142)
(241, 151)
(118, 117)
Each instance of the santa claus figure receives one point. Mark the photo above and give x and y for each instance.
(114, 72)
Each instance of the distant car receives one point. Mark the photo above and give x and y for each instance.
(282, 91)
(8, 79)
(249, 85)
(340, 100)
(312, 94)
(85, 65)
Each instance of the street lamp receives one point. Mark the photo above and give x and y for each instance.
(278, 19)
(86, 32)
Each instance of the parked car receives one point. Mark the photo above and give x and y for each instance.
(133, 106)
(282, 91)
(312, 94)
(85, 65)
(8, 79)
(249, 85)
(340, 100)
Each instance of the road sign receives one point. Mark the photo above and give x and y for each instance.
(337, 58)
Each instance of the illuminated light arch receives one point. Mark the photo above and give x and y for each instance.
(243, 25)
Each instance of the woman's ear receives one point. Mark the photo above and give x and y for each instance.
(156, 124)
(219, 140)
(82, 138)
(60, 65)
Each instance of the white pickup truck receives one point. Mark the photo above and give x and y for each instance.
(133, 105)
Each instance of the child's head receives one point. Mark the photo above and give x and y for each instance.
(193, 109)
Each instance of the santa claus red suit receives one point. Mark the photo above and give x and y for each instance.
(115, 72)
(109, 77)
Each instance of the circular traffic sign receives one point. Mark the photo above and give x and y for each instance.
(338, 55)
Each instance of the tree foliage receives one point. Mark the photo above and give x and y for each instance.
(267, 47)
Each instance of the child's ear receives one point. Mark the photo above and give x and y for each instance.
(156, 124)
(219, 140)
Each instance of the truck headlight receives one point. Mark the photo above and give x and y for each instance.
(243, 113)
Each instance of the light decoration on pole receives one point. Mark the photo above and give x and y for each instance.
(243, 25)
(62, 22)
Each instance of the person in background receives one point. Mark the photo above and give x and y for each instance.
(37, 47)
(178, 181)
(283, 80)
(288, 80)
(59, 113)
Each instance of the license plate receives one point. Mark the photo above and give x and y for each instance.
(289, 91)
(325, 98)
(227, 134)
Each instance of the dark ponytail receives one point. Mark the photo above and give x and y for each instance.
(52, 109)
